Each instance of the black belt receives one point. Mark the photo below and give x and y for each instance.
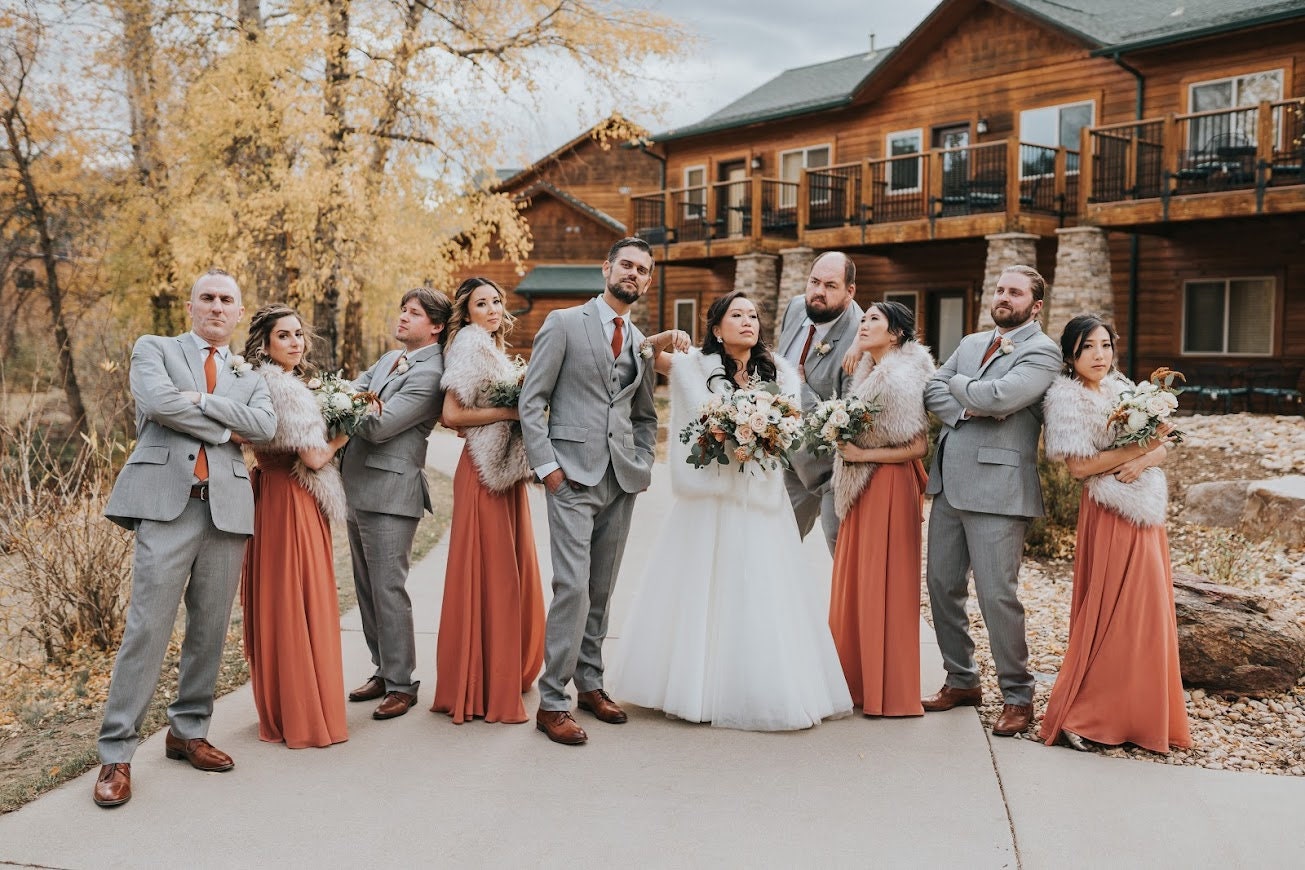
(199, 491)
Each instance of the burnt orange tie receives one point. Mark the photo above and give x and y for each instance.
(618, 334)
(210, 381)
(806, 348)
(992, 348)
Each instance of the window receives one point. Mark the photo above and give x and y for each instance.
(1229, 129)
(1051, 127)
(903, 176)
(686, 317)
(909, 298)
(1228, 316)
(791, 164)
(695, 192)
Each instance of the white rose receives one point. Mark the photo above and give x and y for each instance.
(765, 400)
(315, 384)
(341, 402)
(1144, 388)
(840, 418)
(758, 421)
(1170, 399)
(1136, 421)
(743, 434)
(1156, 406)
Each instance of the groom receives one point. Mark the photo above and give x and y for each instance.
(589, 424)
(985, 489)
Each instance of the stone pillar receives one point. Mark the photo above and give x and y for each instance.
(757, 276)
(1082, 278)
(1004, 249)
(793, 274)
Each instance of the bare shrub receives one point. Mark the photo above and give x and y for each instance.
(1053, 534)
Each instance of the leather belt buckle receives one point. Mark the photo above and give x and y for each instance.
(199, 491)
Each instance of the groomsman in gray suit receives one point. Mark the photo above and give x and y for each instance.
(817, 330)
(385, 481)
(185, 492)
(985, 489)
(589, 424)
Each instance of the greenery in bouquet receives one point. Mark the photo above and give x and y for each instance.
(757, 424)
(838, 421)
(342, 406)
(1144, 408)
(507, 393)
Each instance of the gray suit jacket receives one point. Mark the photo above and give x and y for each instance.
(989, 464)
(825, 379)
(155, 482)
(589, 424)
(384, 462)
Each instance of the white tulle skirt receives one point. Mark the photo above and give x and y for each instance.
(729, 625)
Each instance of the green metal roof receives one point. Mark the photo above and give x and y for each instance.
(562, 281)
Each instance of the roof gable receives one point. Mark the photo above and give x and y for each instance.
(543, 187)
(1115, 25)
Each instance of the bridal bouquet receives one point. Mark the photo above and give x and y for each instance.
(1142, 409)
(343, 407)
(838, 421)
(755, 424)
(506, 394)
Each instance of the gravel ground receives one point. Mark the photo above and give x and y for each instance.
(1266, 735)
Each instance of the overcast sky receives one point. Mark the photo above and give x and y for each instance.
(744, 43)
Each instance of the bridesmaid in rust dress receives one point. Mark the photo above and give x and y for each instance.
(287, 590)
(874, 602)
(491, 636)
(1120, 680)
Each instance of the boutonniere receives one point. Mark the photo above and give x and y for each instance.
(401, 367)
(646, 349)
(1006, 346)
(823, 348)
(239, 366)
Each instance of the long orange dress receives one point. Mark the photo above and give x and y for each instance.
(291, 613)
(491, 635)
(874, 602)
(1120, 681)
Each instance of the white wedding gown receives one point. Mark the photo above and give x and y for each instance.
(727, 626)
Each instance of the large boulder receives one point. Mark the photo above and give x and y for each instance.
(1276, 509)
(1218, 503)
(1232, 642)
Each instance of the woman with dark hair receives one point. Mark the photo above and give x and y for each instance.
(491, 635)
(874, 603)
(1119, 681)
(724, 628)
(287, 590)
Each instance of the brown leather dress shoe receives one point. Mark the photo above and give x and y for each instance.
(601, 705)
(113, 787)
(394, 705)
(561, 727)
(950, 696)
(201, 754)
(1014, 719)
(368, 691)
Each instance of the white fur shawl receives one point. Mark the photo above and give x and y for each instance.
(299, 426)
(692, 386)
(471, 363)
(897, 383)
(1074, 425)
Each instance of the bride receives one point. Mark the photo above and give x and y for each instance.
(726, 627)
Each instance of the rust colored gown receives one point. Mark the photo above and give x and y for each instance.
(874, 601)
(491, 636)
(1120, 680)
(291, 613)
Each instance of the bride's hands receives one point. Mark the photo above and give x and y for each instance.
(851, 359)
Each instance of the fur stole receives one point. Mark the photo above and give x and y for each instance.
(299, 426)
(692, 386)
(1074, 426)
(897, 383)
(471, 363)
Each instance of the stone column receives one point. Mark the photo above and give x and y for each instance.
(1082, 278)
(1004, 249)
(793, 274)
(757, 276)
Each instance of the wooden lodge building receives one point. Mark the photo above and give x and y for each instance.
(1145, 155)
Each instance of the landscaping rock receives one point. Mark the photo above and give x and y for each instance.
(1219, 503)
(1276, 509)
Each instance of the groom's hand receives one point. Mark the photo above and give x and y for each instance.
(555, 480)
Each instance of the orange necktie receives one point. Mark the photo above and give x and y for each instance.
(806, 348)
(992, 348)
(617, 336)
(210, 381)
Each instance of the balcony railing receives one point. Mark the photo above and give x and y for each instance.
(1244, 148)
(745, 208)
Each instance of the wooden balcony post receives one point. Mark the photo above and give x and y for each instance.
(1265, 140)
(867, 204)
(709, 209)
(1130, 163)
(669, 223)
(1058, 177)
(757, 188)
(1170, 146)
(1086, 160)
(934, 174)
(1012, 180)
(630, 211)
(803, 202)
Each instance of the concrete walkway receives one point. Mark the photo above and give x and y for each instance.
(419, 791)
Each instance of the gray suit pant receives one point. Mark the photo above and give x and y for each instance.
(381, 548)
(991, 544)
(808, 505)
(187, 556)
(588, 528)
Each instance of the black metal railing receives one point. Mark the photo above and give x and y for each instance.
(650, 218)
(834, 196)
(973, 180)
(779, 208)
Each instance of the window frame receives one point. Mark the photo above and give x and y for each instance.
(1072, 146)
(786, 194)
(1283, 71)
(1227, 291)
(692, 305)
(695, 195)
(918, 132)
